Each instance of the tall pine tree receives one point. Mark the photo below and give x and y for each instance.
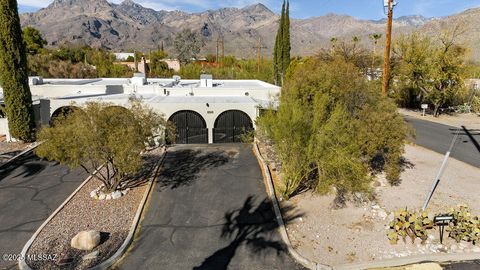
(281, 53)
(13, 73)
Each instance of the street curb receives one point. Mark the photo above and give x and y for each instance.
(434, 258)
(278, 214)
(110, 261)
(29, 148)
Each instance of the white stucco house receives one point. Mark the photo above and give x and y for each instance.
(203, 110)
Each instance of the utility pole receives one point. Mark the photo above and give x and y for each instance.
(218, 43)
(223, 49)
(259, 48)
(388, 45)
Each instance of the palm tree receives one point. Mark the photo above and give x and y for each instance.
(374, 37)
(333, 41)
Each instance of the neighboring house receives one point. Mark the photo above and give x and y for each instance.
(173, 64)
(204, 110)
(123, 56)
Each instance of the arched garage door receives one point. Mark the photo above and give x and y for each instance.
(191, 128)
(230, 126)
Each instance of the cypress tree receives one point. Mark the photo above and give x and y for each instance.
(278, 50)
(286, 40)
(13, 73)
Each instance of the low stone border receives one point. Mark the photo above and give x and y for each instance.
(109, 262)
(29, 148)
(437, 258)
(278, 214)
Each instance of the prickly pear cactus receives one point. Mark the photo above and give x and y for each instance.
(466, 227)
(412, 224)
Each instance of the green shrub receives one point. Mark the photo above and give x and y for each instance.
(331, 129)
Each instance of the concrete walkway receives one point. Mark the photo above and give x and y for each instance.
(30, 190)
(209, 210)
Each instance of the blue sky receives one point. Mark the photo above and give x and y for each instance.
(364, 9)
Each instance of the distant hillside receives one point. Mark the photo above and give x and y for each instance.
(129, 25)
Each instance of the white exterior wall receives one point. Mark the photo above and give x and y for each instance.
(209, 113)
(55, 95)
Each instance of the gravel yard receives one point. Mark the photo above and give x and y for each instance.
(113, 218)
(357, 233)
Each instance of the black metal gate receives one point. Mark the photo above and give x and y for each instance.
(230, 126)
(191, 128)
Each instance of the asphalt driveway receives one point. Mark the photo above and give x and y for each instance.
(437, 137)
(209, 210)
(30, 190)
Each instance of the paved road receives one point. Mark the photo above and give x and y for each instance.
(438, 137)
(209, 210)
(30, 190)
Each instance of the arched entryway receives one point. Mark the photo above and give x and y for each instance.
(190, 126)
(62, 113)
(231, 126)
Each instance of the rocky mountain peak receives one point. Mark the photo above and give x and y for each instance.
(64, 7)
(257, 9)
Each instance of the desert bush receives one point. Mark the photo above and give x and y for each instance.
(331, 128)
(103, 134)
(429, 70)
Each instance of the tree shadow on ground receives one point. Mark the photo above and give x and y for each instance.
(28, 164)
(143, 176)
(182, 166)
(254, 225)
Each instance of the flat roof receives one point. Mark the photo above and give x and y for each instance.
(202, 99)
(165, 83)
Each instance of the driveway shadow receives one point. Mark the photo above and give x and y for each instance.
(28, 165)
(183, 166)
(254, 225)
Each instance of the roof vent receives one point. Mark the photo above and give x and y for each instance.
(206, 80)
(176, 80)
(37, 80)
(139, 79)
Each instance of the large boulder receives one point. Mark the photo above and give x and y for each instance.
(86, 240)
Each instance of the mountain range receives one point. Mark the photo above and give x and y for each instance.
(128, 26)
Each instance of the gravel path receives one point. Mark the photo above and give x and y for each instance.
(113, 218)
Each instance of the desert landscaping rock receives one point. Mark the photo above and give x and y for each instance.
(83, 213)
(91, 256)
(86, 240)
